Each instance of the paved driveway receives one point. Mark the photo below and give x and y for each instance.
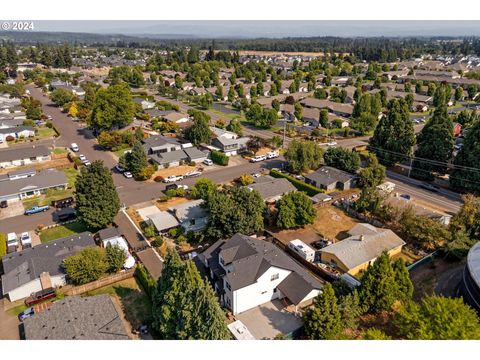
(267, 320)
(8, 324)
(15, 208)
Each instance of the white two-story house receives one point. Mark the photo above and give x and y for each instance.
(248, 272)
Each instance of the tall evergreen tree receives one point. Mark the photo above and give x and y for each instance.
(466, 174)
(184, 307)
(137, 159)
(394, 136)
(97, 200)
(436, 140)
(379, 290)
(323, 321)
(402, 278)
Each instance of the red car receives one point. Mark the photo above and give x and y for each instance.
(40, 296)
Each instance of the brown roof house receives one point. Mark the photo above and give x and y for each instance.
(365, 243)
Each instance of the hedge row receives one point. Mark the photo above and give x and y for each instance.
(3, 244)
(300, 185)
(219, 158)
(145, 279)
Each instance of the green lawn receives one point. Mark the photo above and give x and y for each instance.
(71, 174)
(15, 311)
(120, 152)
(61, 231)
(54, 194)
(60, 150)
(136, 304)
(45, 133)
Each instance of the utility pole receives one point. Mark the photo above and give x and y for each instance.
(284, 129)
(410, 168)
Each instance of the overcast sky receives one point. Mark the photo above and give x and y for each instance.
(267, 28)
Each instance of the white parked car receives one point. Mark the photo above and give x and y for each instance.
(332, 143)
(82, 157)
(74, 147)
(193, 173)
(26, 240)
(258, 158)
(272, 154)
(87, 163)
(208, 162)
(128, 174)
(256, 175)
(184, 187)
(12, 239)
(173, 178)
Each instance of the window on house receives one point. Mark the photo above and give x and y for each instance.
(228, 286)
(221, 261)
(275, 277)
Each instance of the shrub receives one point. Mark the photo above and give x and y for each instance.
(146, 173)
(158, 178)
(49, 124)
(219, 158)
(158, 242)
(149, 230)
(148, 283)
(175, 232)
(300, 185)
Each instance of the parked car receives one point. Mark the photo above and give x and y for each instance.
(82, 157)
(193, 173)
(65, 214)
(3, 204)
(332, 143)
(12, 239)
(87, 163)
(208, 162)
(173, 178)
(36, 209)
(28, 312)
(119, 168)
(406, 196)
(430, 187)
(26, 240)
(74, 147)
(39, 296)
(128, 174)
(272, 154)
(258, 158)
(256, 175)
(62, 203)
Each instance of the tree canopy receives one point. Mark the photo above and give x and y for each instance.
(438, 318)
(97, 200)
(184, 306)
(295, 209)
(303, 155)
(343, 159)
(113, 107)
(394, 136)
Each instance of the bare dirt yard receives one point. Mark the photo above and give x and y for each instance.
(439, 277)
(177, 170)
(331, 223)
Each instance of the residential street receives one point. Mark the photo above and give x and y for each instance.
(133, 192)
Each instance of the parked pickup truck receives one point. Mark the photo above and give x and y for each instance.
(39, 296)
(173, 178)
(36, 209)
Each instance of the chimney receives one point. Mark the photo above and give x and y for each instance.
(362, 237)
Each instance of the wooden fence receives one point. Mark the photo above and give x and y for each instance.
(100, 283)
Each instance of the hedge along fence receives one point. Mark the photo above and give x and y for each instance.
(300, 185)
(145, 279)
(3, 244)
(219, 158)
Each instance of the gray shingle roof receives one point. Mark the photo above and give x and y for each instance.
(24, 266)
(16, 129)
(190, 210)
(272, 188)
(251, 258)
(43, 180)
(23, 153)
(328, 175)
(75, 317)
(354, 251)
